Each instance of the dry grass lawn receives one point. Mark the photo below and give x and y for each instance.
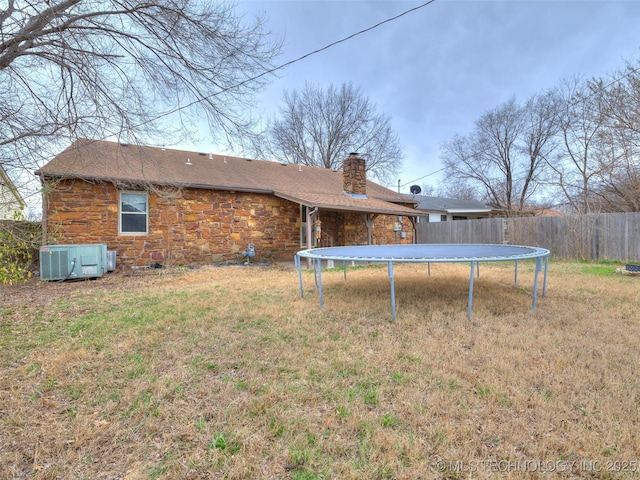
(225, 372)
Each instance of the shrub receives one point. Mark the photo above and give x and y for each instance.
(19, 243)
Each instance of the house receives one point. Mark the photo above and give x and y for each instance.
(10, 199)
(155, 205)
(446, 209)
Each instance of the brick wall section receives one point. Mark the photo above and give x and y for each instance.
(197, 226)
(354, 175)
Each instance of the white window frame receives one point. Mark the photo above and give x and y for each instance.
(145, 213)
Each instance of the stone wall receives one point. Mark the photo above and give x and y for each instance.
(190, 226)
(354, 175)
(347, 228)
(197, 226)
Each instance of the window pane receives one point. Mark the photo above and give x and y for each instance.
(134, 223)
(133, 202)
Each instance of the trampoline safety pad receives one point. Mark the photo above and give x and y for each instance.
(473, 254)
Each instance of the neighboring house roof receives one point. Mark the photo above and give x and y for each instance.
(10, 198)
(451, 205)
(310, 186)
(528, 211)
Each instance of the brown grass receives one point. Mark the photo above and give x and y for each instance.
(227, 373)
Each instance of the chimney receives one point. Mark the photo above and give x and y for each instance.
(354, 177)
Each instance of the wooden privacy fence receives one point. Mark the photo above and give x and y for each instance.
(598, 236)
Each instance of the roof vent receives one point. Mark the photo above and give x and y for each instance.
(188, 162)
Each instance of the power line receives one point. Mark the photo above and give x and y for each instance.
(291, 62)
(424, 176)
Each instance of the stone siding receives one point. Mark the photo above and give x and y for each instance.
(197, 226)
(354, 175)
(190, 226)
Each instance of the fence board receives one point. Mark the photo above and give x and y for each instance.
(603, 236)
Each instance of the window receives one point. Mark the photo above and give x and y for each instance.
(443, 218)
(134, 213)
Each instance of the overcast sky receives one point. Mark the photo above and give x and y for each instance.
(435, 70)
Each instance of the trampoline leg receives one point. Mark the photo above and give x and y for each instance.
(393, 292)
(544, 283)
(535, 283)
(470, 290)
(319, 263)
(297, 264)
(515, 275)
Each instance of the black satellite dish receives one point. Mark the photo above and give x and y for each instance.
(415, 189)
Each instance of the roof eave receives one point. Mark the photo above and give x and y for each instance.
(464, 210)
(346, 208)
(203, 186)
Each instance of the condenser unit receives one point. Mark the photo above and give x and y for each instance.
(67, 262)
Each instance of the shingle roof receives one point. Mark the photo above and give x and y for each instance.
(311, 186)
(450, 205)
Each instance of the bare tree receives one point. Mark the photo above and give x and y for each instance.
(123, 68)
(619, 188)
(598, 168)
(577, 165)
(505, 154)
(451, 187)
(319, 127)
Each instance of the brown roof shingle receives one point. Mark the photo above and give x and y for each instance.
(311, 186)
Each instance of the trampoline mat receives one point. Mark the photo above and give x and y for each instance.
(426, 252)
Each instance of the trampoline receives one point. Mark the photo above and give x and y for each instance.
(473, 254)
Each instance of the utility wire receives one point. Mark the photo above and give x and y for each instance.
(424, 176)
(630, 71)
(281, 66)
(291, 62)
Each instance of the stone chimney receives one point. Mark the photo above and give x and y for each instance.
(354, 177)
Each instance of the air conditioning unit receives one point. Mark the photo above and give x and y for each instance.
(68, 262)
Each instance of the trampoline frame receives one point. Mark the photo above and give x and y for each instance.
(460, 253)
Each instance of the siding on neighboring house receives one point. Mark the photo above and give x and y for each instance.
(10, 199)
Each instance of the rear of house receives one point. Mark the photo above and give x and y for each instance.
(154, 205)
